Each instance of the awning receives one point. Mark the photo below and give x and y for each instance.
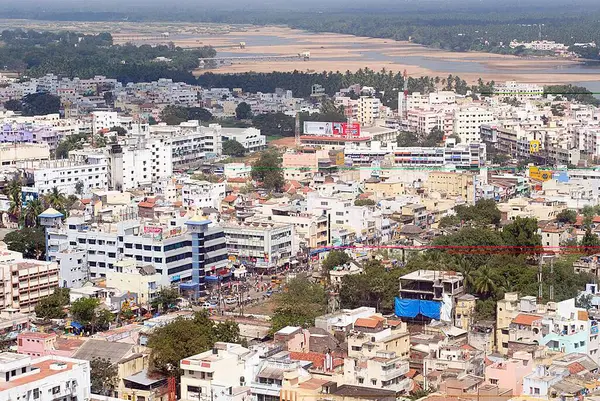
(211, 278)
(76, 325)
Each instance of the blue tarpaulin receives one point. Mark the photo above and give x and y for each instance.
(413, 307)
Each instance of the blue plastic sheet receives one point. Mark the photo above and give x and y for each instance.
(412, 307)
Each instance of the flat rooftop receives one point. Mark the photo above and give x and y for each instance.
(432, 275)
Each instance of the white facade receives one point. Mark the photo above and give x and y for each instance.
(73, 272)
(520, 91)
(48, 378)
(104, 119)
(250, 138)
(90, 169)
(467, 123)
(200, 194)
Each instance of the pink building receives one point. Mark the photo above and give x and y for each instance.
(42, 344)
(510, 373)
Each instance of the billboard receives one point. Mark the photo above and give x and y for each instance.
(343, 130)
(534, 146)
(155, 232)
(28, 194)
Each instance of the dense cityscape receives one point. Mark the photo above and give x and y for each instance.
(177, 224)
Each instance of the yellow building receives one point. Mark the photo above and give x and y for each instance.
(453, 184)
(128, 277)
(464, 311)
(506, 310)
(386, 189)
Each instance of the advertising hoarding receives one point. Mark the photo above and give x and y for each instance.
(27, 195)
(155, 232)
(332, 129)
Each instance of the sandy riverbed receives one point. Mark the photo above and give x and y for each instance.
(329, 52)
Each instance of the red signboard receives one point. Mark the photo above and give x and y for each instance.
(346, 130)
(343, 130)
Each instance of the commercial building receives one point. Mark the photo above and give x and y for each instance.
(168, 247)
(519, 91)
(264, 243)
(368, 110)
(16, 154)
(47, 378)
(142, 280)
(453, 184)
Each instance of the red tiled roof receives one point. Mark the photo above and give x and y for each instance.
(366, 322)
(411, 373)
(239, 180)
(525, 319)
(86, 201)
(148, 205)
(393, 323)
(230, 198)
(575, 368)
(318, 360)
(365, 195)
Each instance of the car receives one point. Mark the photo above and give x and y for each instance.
(269, 293)
(208, 305)
(230, 300)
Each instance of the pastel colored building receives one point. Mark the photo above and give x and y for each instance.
(42, 344)
(510, 373)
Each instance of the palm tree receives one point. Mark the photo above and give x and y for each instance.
(466, 267)
(55, 199)
(13, 192)
(485, 281)
(33, 209)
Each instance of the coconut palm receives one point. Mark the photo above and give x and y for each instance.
(55, 199)
(13, 192)
(33, 209)
(468, 270)
(485, 281)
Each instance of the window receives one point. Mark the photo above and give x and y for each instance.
(374, 382)
(147, 247)
(36, 393)
(56, 390)
(361, 380)
(493, 381)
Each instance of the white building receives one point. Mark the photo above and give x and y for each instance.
(519, 91)
(89, 169)
(250, 138)
(199, 194)
(48, 378)
(265, 243)
(468, 121)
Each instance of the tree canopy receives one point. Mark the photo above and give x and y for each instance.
(243, 111)
(267, 170)
(104, 376)
(299, 305)
(52, 306)
(185, 337)
(233, 148)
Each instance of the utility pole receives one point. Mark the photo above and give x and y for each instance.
(297, 130)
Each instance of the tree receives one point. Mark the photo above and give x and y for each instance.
(184, 337)
(104, 376)
(521, 236)
(364, 202)
(233, 148)
(584, 301)
(274, 124)
(199, 113)
(407, 139)
(567, 216)
(13, 105)
(13, 192)
(267, 170)
(55, 199)
(335, 259)
(484, 212)
(119, 130)
(34, 208)
(89, 313)
(590, 243)
(40, 103)
(79, 187)
(449, 221)
(165, 299)
(52, 306)
(485, 281)
(174, 115)
(434, 138)
(299, 305)
(31, 242)
(243, 111)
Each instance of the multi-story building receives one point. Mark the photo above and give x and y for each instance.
(468, 121)
(384, 371)
(465, 156)
(168, 247)
(368, 110)
(48, 378)
(422, 122)
(250, 138)
(519, 91)
(268, 244)
(222, 373)
(127, 276)
(453, 184)
(429, 294)
(25, 281)
(91, 170)
(199, 194)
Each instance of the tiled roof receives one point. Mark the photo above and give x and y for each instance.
(575, 368)
(363, 322)
(230, 198)
(149, 205)
(525, 319)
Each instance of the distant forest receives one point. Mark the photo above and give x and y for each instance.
(73, 54)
